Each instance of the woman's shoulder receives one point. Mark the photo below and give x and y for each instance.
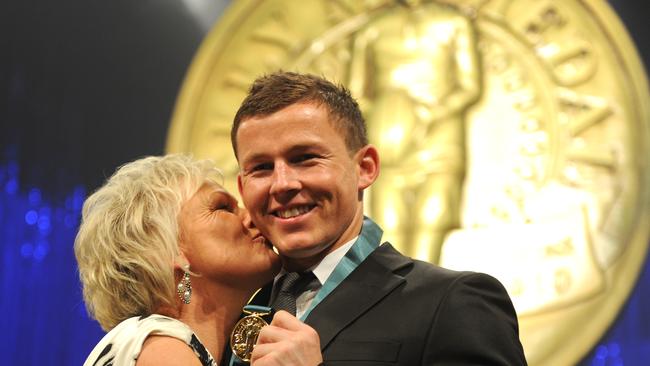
(164, 350)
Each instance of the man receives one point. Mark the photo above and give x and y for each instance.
(304, 165)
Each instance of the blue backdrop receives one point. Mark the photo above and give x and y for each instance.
(86, 86)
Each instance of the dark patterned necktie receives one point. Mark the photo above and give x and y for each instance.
(288, 288)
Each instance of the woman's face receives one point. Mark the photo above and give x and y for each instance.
(221, 243)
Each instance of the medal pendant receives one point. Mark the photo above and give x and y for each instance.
(244, 335)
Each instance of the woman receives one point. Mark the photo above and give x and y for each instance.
(167, 260)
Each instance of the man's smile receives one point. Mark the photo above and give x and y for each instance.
(286, 213)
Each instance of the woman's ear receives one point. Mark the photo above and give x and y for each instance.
(181, 262)
(368, 164)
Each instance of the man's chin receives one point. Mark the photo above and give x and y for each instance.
(301, 260)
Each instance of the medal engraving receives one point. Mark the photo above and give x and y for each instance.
(244, 336)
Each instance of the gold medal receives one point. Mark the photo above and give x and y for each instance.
(514, 137)
(244, 334)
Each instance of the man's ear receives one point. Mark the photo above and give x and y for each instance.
(368, 163)
(239, 185)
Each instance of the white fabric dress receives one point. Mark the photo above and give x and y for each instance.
(122, 345)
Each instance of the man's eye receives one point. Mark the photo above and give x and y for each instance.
(263, 166)
(304, 157)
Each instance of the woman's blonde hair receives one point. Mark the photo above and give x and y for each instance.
(129, 234)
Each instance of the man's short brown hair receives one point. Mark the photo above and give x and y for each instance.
(276, 91)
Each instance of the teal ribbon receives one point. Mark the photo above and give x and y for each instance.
(366, 243)
(259, 309)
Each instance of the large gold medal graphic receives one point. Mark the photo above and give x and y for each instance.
(514, 138)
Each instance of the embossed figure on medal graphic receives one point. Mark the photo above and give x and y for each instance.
(415, 71)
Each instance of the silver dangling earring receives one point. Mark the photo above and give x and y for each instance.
(184, 288)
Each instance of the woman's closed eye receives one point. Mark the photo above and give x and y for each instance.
(223, 207)
(224, 202)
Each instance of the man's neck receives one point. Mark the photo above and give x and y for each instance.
(302, 264)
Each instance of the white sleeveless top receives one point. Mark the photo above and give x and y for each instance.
(122, 345)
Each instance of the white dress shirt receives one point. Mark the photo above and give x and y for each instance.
(322, 271)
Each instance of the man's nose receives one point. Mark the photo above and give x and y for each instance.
(285, 179)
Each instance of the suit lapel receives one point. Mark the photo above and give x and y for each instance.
(360, 291)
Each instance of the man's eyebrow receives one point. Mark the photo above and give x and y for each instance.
(257, 157)
(303, 148)
(254, 158)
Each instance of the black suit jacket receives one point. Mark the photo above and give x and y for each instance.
(393, 310)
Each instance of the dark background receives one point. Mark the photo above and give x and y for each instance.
(87, 85)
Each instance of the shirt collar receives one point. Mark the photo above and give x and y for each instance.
(326, 266)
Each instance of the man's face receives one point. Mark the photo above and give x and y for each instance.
(300, 183)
